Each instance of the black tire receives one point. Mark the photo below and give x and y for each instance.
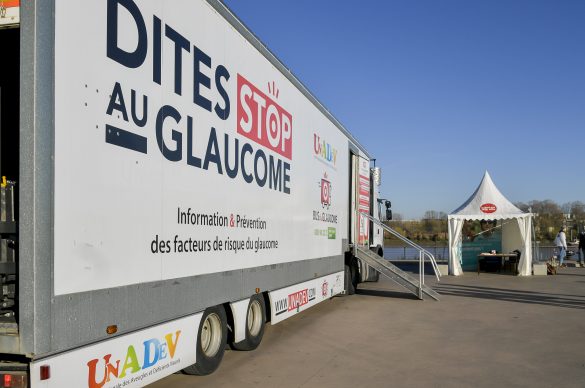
(349, 284)
(255, 324)
(211, 340)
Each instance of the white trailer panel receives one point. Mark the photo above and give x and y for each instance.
(180, 150)
(133, 360)
(289, 301)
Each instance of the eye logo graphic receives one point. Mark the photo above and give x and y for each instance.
(325, 192)
(325, 288)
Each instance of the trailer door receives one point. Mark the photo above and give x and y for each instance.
(360, 199)
(353, 167)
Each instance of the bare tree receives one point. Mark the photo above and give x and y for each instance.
(522, 206)
(577, 208)
(545, 207)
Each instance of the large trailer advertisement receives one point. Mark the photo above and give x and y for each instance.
(180, 150)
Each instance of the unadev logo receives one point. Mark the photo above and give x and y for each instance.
(324, 151)
(300, 298)
(153, 351)
(488, 208)
(294, 301)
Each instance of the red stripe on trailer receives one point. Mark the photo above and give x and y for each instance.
(10, 3)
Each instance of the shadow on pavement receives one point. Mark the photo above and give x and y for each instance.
(531, 297)
(568, 274)
(386, 294)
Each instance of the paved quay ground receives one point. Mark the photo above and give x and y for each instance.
(491, 330)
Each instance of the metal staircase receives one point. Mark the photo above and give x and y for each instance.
(394, 273)
(417, 287)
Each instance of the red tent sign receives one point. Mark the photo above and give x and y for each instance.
(488, 208)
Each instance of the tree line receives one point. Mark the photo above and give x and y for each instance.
(548, 219)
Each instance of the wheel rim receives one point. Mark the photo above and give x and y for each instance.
(254, 318)
(211, 335)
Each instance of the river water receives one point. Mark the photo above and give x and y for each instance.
(441, 253)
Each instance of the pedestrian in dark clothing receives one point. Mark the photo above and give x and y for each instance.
(582, 248)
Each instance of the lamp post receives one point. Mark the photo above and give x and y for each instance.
(569, 224)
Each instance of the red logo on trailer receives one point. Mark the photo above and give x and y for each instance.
(325, 191)
(9, 12)
(262, 120)
(488, 208)
(10, 3)
(298, 299)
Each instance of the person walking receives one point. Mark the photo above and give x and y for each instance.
(582, 247)
(561, 243)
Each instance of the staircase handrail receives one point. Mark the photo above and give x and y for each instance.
(422, 252)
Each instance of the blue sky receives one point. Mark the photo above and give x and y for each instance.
(440, 91)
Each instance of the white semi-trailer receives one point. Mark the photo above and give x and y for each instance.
(170, 188)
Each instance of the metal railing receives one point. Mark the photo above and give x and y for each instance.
(401, 251)
(542, 253)
(422, 253)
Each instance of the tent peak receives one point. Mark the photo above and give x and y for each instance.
(487, 202)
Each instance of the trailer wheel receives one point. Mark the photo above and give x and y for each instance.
(349, 285)
(211, 341)
(255, 323)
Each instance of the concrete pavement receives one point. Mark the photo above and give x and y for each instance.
(492, 330)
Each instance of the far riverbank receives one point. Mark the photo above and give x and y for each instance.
(396, 250)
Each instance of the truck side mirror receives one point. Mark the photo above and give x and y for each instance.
(388, 204)
(388, 214)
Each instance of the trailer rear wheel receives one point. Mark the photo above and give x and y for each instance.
(211, 341)
(255, 323)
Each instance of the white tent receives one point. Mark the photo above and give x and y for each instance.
(487, 203)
